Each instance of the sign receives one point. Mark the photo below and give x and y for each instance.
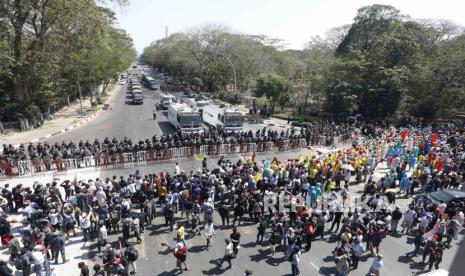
(94, 90)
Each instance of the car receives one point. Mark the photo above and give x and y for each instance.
(450, 197)
(137, 97)
(122, 82)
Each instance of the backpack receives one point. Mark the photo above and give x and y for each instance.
(19, 264)
(181, 251)
(133, 255)
(309, 229)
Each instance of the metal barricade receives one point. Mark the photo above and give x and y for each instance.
(37, 166)
(302, 143)
(284, 145)
(70, 163)
(87, 161)
(141, 157)
(127, 157)
(24, 167)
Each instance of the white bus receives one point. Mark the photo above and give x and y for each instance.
(182, 117)
(226, 118)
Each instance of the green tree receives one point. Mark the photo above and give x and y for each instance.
(273, 87)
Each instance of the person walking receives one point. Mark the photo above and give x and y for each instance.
(295, 260)
(180, 252)
(396, 216)
(342, 265)
(132, 255)
(209, 232)
(357, 251)
(261, 230)
(376, 266)
(235, 240)
(224, 214)
(228, 253)
(59, 248)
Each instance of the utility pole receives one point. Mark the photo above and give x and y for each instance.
(79, 88)
(166, 31)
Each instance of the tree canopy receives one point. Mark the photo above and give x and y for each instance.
(44, 42)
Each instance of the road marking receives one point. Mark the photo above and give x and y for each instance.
(315, 266)
(140, 118)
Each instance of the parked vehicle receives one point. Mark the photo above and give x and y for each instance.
(184, 118)
(137, 97)
(229, 119)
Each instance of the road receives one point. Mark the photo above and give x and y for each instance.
(128, 120)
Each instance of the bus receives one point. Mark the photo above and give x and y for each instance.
(149, 82)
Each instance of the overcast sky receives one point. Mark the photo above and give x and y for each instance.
(294, 21)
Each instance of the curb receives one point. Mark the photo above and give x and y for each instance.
(80, 123)
(85, 120)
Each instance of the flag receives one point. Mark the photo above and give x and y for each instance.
(254, 155)
(199, 157)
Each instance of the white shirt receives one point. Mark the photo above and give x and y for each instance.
(37, 257)
(377, 264)
(209, 230)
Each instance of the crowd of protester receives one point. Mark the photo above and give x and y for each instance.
(293, 202)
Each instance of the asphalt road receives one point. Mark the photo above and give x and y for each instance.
(128, 120)
(156, 257)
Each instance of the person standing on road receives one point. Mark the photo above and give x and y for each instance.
(357, 251)
(209, 232)
(295, 260)
(376, 266)
(261, 230)
(224, 214)
(396, 216)
(180, 252)
(228, 253)
(235, 240)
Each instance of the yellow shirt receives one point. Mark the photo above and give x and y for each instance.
(181, 232)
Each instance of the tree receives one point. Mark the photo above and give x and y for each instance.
(386, 51)
(43, 41)
(273, 87)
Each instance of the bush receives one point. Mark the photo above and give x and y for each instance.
(93, 104)
(99, 100)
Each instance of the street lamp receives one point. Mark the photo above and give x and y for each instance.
(230, 63)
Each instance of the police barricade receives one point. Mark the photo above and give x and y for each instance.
(268, 146)
(252, 147)
(37, 166)
(70, 163)
(284, 146)
(87, 161)
(141, 157)
(243, 148)
(222, 149)
(293, 144)
(151, 156)
(203, 150)
(24, 167)
(58, 165)
(234, 149)
(302, 143)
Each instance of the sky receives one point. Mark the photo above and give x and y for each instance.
(294, 21)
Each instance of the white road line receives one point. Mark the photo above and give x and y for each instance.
(315, 266)
(34, 140)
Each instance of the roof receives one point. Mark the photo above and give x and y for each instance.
(447, 195)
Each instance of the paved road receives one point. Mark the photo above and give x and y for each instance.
(125, 119)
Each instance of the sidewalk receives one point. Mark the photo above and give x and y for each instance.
(64, 120)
